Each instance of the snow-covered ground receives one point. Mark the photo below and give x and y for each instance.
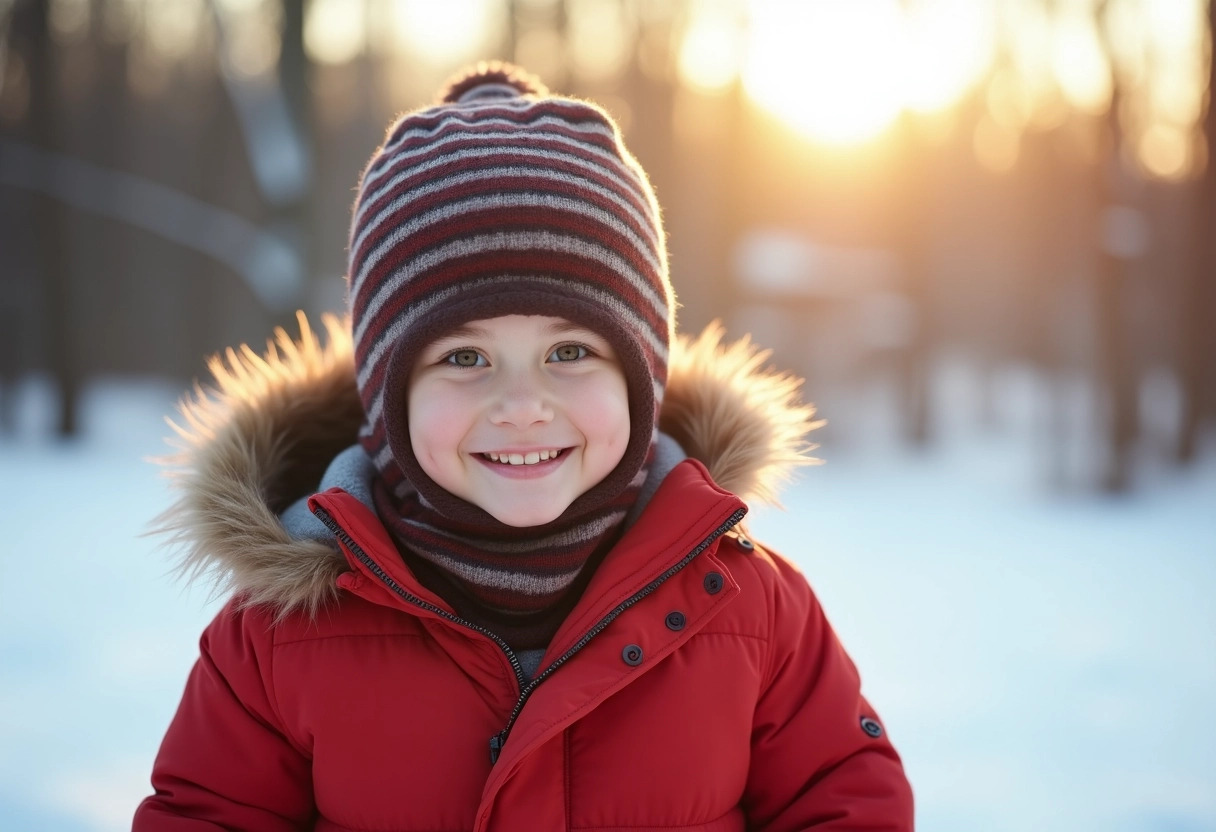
(1044, 659)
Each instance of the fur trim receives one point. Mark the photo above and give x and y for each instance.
(743, 421)
(262, 436)
(249, 447)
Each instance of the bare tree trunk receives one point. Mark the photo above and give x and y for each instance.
(203, 300)
(915, 251)
(295, 71)
(1117, 377)
(31, 24)
(1116, 374)
(1198, 349)
(1047, 242)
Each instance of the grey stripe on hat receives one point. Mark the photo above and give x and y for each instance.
(449, 112)
(505, 174)
(514, 200)
(548, 241)
(485, 92)
(587, 157)
(497, 113)
(611, 167)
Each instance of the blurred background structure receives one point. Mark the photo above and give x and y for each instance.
(983, 230)
(872, 188)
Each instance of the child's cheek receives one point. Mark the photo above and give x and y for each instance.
(606, 415)
(436, 423)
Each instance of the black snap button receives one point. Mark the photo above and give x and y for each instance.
(675, 620)
(632, 654)
(745, 544)
(871, 727)
(713, 583)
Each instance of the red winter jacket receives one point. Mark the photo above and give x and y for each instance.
(696, 685)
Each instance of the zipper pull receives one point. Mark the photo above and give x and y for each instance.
(496, 743)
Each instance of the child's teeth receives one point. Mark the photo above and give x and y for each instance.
(530, 458)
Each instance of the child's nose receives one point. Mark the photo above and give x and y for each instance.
(521, 403)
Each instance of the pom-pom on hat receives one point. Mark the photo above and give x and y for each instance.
(489, 80)
(503, 200)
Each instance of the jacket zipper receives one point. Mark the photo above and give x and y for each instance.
(500, 739)
(526, 688)
(367, 561)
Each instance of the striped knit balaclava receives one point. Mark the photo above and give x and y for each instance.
(504, 200)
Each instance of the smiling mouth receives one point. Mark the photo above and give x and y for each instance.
(530, 458)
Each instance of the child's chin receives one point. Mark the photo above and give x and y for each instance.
(522, 518)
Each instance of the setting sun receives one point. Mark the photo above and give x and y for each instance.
(842, 73)
(829, 69)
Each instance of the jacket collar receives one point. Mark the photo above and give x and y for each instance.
(687, 510)
(263, 434)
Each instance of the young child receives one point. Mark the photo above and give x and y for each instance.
(519, 598)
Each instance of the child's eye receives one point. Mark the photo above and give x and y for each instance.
(465, 358)
(568, 352)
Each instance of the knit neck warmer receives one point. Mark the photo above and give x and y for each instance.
(519, 583)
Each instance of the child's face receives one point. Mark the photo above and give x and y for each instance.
(491, 402)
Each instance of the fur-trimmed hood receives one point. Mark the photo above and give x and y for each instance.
(261, 436)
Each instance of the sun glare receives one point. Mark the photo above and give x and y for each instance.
(841, 73)
(173, 27)
(949, 46)
(252, 44)
(1078, 62)
(600, 39)
(826, 68)
(447, 32)
(709, 52)
(1165, 150)
(333, 30)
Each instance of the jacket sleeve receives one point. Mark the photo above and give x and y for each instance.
(227, 761)
(821, 760)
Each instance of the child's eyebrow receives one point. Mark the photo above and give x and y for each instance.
(470, 331)
(465, 331)
(563, 327)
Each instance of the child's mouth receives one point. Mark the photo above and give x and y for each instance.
(530, 458)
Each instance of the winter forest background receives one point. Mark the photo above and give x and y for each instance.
(983, 230)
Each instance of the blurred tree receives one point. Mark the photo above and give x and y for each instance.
(15, 289)
(914, 243)
(295, 73)
(1198, 351)
(1117, 373)
(30, 29)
